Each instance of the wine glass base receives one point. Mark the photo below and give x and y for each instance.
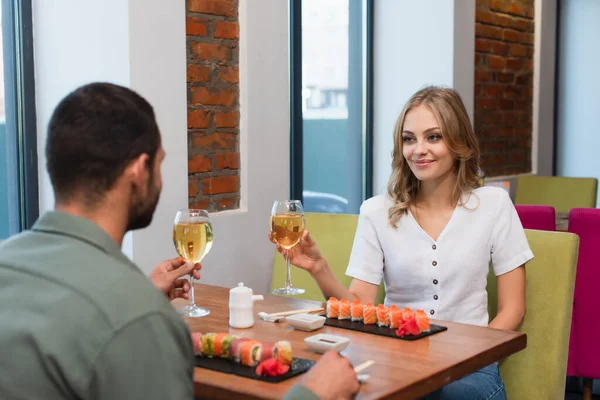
(193, 311)
(288, 291)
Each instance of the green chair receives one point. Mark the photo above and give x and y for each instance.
(334, 233)
(562, 193)
(539, 371)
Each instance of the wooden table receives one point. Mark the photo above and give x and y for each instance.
(403, 369)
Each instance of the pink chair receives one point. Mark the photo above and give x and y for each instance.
(584, 344)
(541, 218)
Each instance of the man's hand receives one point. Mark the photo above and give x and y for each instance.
(332, 378)
(166, 277)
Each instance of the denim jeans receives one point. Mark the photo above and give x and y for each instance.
(485, 384)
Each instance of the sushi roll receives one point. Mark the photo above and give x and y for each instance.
(383, 315)
(369, 314)
(218, 344)
(344, 312)
(395, 317)
(333, 307)
(197, 342)
(226, 346)
(250, 352)
(356, 311)
(407, 313)
(282, 351)
(207, 344)
(423, 321)
(235, 347)
(266, 351)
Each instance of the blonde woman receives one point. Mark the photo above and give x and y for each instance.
(432, 237)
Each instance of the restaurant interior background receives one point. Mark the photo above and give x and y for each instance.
(218, 75)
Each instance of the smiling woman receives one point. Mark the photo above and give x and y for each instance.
(432, 237)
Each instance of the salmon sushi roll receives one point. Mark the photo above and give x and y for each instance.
(333, 307)
(383, 315)
(218, 344)
(197, 342)
(395, 317)
(407, 313)
(369, 314)
(344, 312)
(235, 348)
(207, 344)
(423, 321)
(282, 351)
(356, 311)
(250, 353)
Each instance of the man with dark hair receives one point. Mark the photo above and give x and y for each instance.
(79, 319)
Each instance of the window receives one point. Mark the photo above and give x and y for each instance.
(18, 148)
(331, 97)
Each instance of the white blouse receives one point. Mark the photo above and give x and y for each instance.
(445, 277)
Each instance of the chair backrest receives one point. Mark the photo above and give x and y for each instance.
(584, 349)
(542, 218)
(334, 234)
(562, 193)
(539, 371)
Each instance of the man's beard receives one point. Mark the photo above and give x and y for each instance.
(142, 211)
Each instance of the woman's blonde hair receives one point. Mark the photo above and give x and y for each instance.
(457, 133)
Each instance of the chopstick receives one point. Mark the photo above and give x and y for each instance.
(363, 366)
(304, 310)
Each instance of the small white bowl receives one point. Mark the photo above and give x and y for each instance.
(324, 342)
(305, 322)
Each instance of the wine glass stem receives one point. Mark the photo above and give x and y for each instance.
(288, 281)
(192, 299)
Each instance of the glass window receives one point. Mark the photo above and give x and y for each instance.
(18, 148)
(331, 104)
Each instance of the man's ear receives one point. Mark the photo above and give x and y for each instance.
(137, 170)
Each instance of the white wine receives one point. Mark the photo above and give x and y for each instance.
(193, 240)
(287, 229)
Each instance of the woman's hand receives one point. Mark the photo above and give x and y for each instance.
(305, 254)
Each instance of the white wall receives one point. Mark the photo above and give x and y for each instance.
(145, 49)
(578, 104)
(72, 48)
(241, 251)
(417, 43)
(544, 74)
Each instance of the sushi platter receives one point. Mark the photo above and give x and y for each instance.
(390, 321)
(247, 357)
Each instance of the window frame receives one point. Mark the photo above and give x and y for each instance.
(296, 106)
(21, 130)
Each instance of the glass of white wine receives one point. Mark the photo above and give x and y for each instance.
(287, 227)
(193, 238)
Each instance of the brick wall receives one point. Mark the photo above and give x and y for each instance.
(504, 38)
(213, 104)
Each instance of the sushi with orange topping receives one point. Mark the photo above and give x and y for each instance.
(395, 317)
(356, 311)
(344, 312)
(369, 314)
(383, 315)
(333, 307)
(423, 321)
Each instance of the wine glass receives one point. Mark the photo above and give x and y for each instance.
(193, 238)
(287, 227)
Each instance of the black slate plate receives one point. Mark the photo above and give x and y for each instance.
(380, 330)
(299, 366)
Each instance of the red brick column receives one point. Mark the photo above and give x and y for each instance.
(213, 104)
(504, 38)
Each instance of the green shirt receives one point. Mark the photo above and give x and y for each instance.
(79, 320)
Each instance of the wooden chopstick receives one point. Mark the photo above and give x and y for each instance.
(304, 310)
(363, 366)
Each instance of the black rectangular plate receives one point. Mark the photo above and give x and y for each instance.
(299, 366)
(380, 330)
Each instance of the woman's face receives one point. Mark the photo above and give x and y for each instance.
(423, 147)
